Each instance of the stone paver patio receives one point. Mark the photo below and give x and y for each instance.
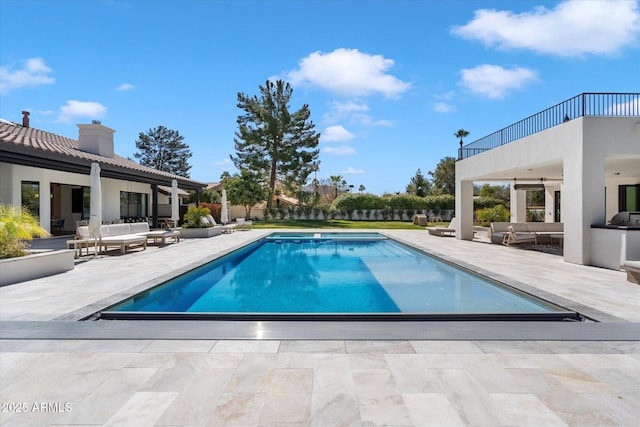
(323, 382)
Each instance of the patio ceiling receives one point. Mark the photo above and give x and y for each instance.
(621, 166)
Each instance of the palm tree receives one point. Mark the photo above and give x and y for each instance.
(461, 134)
(335, 180)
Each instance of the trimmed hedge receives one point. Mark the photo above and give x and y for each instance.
(349, 202)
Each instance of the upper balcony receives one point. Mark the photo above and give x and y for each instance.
(585, 104)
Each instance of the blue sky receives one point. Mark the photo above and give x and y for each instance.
(388, 83)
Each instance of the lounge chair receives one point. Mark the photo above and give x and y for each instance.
(514, 238)
(244, 224)
(229, 228)
(633, 270)
(450, 230)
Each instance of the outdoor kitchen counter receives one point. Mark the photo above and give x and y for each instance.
(611, 245)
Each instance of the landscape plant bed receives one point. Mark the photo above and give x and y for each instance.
(35, 266)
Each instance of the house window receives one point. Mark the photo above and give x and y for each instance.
(556, 206)
(31, 197)
(629, 198)
(133, 205)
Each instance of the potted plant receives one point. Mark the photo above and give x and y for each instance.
(18, 264)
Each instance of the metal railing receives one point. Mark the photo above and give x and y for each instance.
(585, 104)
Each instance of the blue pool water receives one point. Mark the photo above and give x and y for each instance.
(330, 273)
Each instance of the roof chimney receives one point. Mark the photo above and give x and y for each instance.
(25, 119)
(96, 139)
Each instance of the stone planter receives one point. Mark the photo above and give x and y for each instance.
(35, 265)
(198, 233)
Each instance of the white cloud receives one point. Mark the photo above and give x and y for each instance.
(81, 109)
(443, 107)
(445, 96)
(352, 171)
(572, 28)
(125, 87)
(354, 113)
(493, 81)
(348, 72)
(336, 133)
(367, 120)
(34, 73)
(343, 110)
(343, 150)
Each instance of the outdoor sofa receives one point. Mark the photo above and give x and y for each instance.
(123, 236)
(545, 232)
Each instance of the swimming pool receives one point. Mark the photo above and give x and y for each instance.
(329, 276)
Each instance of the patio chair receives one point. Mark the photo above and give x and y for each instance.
(244, 224)
(442, 231)
(513, 238)
(58, 225)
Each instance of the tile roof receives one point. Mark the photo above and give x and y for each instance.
(167, 191)
(43, 144)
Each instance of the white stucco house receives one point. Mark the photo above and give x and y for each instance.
(51, 174)
(585, 153)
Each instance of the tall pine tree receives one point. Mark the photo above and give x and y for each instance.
(163, 149)
(419, 185)
(272, 141)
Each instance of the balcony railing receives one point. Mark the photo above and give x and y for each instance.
(585, 104)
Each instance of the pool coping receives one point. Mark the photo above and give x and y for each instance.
(324, 330)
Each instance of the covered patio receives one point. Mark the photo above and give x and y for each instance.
(584, 152)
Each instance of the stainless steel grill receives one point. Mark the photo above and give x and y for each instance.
(626, 218)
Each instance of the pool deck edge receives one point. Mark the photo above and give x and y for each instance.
(312, 330)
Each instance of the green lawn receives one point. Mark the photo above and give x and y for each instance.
(336, 223)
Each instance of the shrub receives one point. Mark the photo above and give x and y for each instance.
(352, 202)
(215, 210)
(497, 213)
(194, 215)
(486, 202)
(17, 226)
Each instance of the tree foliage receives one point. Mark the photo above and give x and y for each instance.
(419, 185)
(488, 191)
(245, 189)
(444, 177)
(164, 149)
(461, 134)
(277, 144)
